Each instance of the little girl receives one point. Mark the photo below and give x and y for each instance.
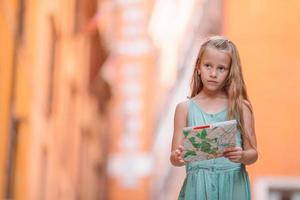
(218, 94)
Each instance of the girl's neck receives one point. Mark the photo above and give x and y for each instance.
(212, 95)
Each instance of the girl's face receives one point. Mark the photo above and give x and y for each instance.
(214, 68)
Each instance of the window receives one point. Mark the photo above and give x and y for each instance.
(277, 188)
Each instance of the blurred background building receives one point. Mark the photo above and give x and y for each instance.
(88, 89)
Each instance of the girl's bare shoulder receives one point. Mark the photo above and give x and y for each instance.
(182, 107)
(247, 107)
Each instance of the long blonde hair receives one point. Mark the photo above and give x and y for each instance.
(234, 86)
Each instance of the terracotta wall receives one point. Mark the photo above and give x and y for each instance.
(15, 97)
(267, 35)
(59, 101)
(132, 74)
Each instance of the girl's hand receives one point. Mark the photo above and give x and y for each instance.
(234, 154)
(176, 157)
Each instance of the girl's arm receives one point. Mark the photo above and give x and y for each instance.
(248, 155)
(179, 123)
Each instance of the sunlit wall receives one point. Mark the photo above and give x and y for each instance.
(267, 34)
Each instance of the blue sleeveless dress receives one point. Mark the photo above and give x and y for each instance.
(214, 179)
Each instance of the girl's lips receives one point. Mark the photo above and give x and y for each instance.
(212, 81)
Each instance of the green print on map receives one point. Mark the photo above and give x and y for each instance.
(185, 133)
(207, 143)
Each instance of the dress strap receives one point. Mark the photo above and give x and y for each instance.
(189, 105)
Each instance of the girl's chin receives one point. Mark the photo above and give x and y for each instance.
(212, 88)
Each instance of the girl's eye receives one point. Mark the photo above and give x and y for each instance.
(207, 66)
(221, 69)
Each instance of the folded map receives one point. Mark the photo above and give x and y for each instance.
(208, 141)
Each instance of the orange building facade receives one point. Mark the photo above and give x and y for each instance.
(53, 101)
(58, 74)
(267, 35)
(130, 162)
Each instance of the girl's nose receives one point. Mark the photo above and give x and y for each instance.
(213, 73)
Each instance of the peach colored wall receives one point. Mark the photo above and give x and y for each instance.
(267, 34)
(6, 59)
(132, 111)
(63, 154)
(8, 26)
(22, 109)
